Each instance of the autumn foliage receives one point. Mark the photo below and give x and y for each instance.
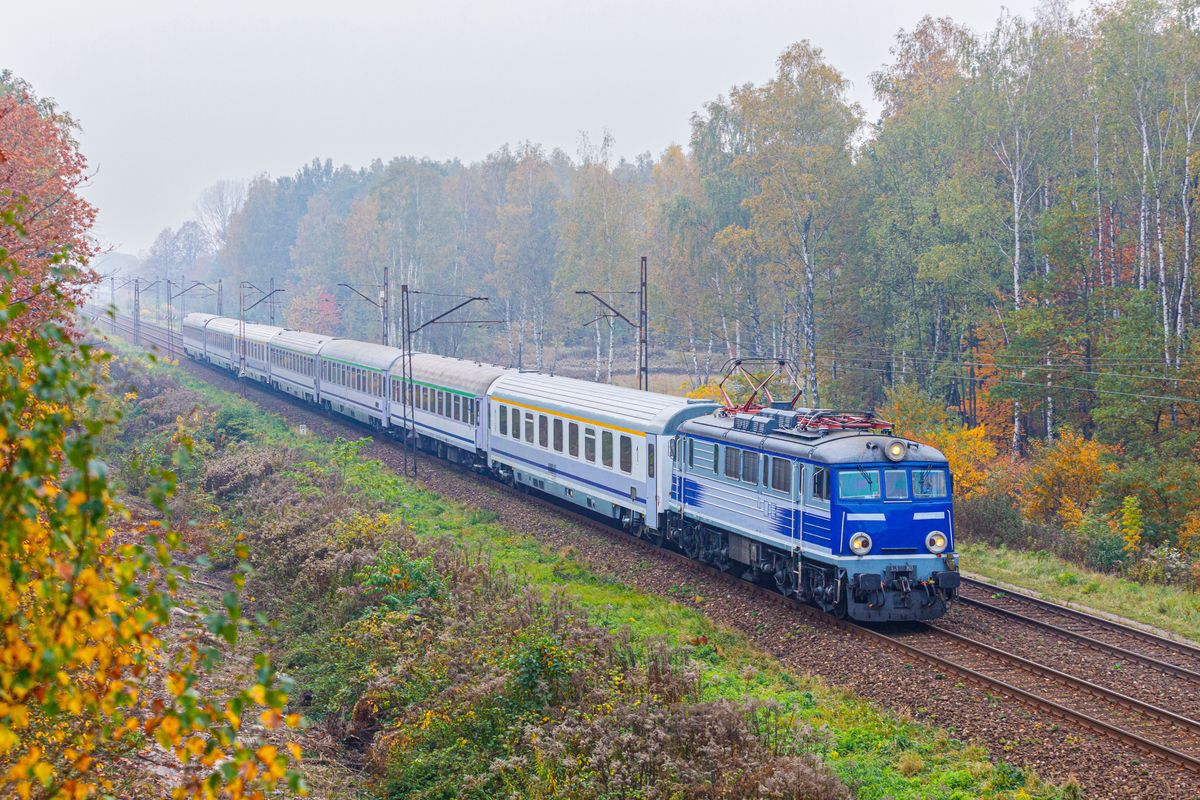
(86, 679)
(41, 172)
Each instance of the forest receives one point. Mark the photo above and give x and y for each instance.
(1009, 244)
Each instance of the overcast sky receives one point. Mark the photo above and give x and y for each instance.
(174, 95)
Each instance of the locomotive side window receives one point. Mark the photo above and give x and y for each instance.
(817, 490)
(589, 444)
(750, 469)
(691, 452)
(626, 454)
(606, 448)
(733, 463)
(558, 435)
(895, 484)
(716, 459)
(858, 484)
(781, 475)
(543, 431)
(929, 483)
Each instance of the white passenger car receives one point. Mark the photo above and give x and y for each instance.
(353, 375)
(447, 404)
(593, 444)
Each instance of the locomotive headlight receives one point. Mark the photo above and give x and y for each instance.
(860, 544)
(895, 450)
(936, 541)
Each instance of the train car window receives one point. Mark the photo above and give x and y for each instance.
(650, 458)
(375, 384)
(895, 484)
(441, 403)
(818, 487)
(516, 423)
(458, 415)
(626, 453)
(733, 463)
(929, 483)
(751, 472)
(589, 444)
(606, 448)
(543, 431)
(529, 426)
(558, 435)
(573, 440)
(858, 484)
(503, 421)
(781, 475)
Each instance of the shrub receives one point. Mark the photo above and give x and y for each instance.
(909, 764)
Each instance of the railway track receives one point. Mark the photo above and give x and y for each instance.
(1104, 635)
(1154, 730)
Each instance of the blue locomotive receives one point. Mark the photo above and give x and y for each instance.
(830, 507)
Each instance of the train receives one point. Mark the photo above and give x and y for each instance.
(829, 507)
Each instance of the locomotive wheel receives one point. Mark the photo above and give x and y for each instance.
(783, 583)
(689, 542)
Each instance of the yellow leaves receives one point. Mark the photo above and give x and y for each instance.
(176, 684)
(8, 739)
(1064, 478)
(970, 454)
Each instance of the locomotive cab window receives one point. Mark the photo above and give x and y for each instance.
(858, 484)
(929, 483)
(895, 484)
(817, 490)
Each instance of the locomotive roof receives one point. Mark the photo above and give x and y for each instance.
(834, 447)
(615, 406)
(472, 377)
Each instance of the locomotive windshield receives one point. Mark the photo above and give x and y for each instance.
(865, 484)
(929, 483)
(859, 484)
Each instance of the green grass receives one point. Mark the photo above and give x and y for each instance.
(1166, 607)
(863, 744)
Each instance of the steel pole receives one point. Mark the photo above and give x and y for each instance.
(137, 310)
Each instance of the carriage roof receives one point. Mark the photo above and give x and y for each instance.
(614, 406)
